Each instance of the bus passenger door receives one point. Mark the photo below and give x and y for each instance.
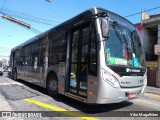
(78, 73)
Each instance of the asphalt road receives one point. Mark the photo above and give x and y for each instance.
(23, 100)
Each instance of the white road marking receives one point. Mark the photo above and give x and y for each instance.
(3, 84)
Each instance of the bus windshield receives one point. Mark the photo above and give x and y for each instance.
(123, 47)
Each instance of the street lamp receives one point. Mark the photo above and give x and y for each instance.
(16, 21)
(49, 0)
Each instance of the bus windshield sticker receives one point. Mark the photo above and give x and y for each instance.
(135, 61)
(119, 61)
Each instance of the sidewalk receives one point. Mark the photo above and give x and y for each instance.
(153, 90)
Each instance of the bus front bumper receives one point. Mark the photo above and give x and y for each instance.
(121, 94)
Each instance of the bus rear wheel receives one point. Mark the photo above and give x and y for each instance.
(52, 86)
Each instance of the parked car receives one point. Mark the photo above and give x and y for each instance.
(1, 71)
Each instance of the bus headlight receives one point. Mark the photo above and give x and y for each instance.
(110, 78)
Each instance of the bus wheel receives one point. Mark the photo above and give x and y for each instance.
(52, 86)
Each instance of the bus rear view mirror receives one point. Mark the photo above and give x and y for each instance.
(105, 27)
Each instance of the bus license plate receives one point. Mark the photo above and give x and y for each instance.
(132, 95)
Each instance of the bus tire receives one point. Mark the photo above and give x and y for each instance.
(52, 85)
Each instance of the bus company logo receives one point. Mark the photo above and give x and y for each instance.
(127, 70)
(6, 114)
(132, 70)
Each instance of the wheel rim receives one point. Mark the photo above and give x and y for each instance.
(53, 85)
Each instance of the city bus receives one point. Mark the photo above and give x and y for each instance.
(95, 57)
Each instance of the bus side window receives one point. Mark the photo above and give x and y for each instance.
(41, 53)
(93, 54)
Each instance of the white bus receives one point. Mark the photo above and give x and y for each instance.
(95, 57)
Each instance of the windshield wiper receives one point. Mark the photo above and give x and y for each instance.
(132, 43)
(115, 23)
(125, 40)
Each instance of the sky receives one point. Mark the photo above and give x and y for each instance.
(43, 15)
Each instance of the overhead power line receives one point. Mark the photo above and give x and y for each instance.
(27, 16)
(5, 51)
(3, 56)
(34, 15)
(4, 48)
(34, 30)
(3, 4)
(26, 25)
(37, 21)
(141, 12)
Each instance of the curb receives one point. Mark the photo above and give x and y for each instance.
(153, 90)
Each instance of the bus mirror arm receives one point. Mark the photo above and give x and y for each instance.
(105, 27)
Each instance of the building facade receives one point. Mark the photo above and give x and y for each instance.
(149, 30)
